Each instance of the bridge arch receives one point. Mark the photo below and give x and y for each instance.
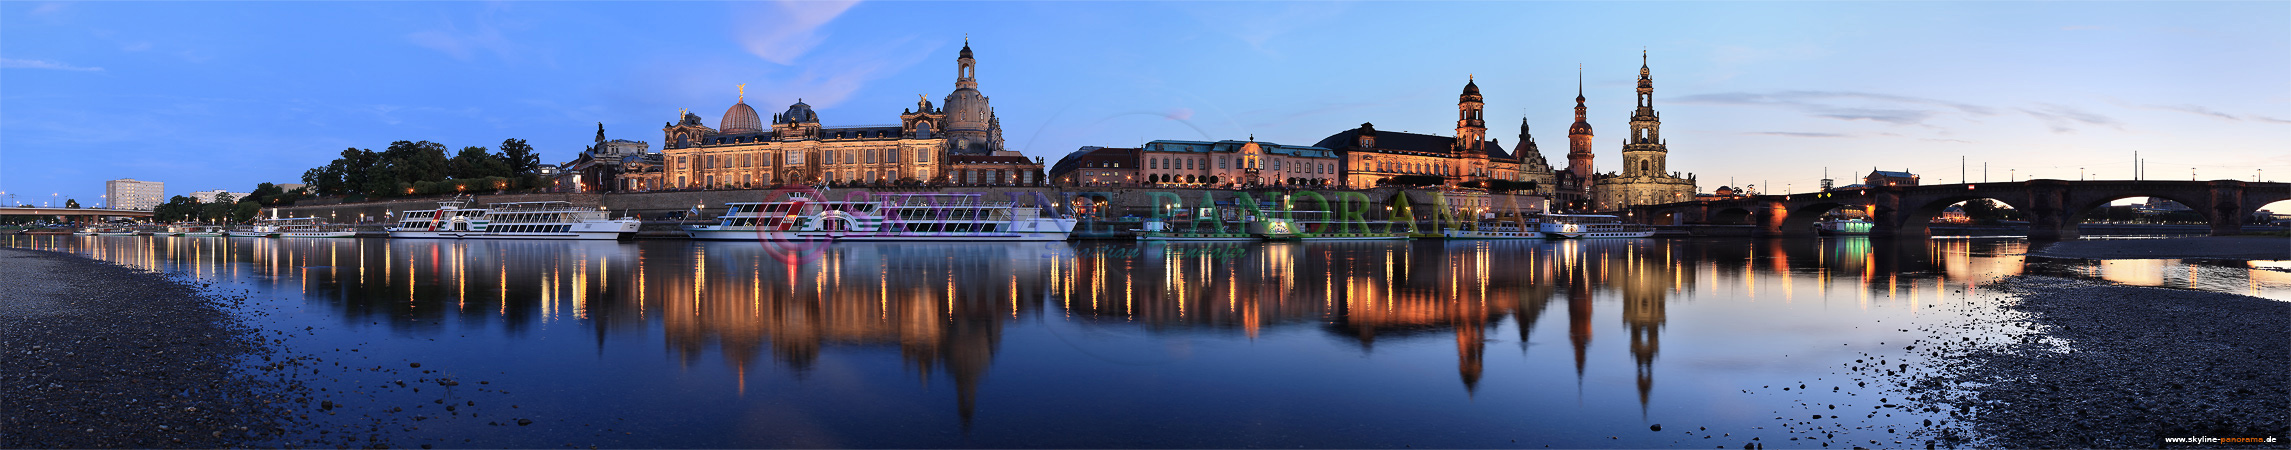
(2077, 213)
(1731, 215)
(2259, 201)
(1801, 217)
(1916, 220)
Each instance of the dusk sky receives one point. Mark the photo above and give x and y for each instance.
(211, 95)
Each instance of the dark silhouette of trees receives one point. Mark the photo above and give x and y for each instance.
(420, 167)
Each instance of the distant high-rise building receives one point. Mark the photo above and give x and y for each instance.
(216, 196)
(127, 193)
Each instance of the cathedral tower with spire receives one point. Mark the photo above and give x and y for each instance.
(1646, 178)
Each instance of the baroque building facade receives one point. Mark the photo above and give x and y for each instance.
(611, 165)
(1646, 178)
(1373, 158)
(1200, 164)
(960, 143)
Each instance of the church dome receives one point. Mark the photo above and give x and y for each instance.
(1471, 88)
(799, 113)
(967, 110)
(740, 119)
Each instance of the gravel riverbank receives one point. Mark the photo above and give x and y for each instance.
(2207, 247)
(98, 355)
(2081, 363)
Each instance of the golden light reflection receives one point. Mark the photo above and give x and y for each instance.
(943, 306)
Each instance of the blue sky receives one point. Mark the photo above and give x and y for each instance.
(212, 95)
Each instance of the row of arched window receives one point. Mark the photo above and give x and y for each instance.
(1228, 163)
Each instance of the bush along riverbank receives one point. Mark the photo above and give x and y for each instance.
(99, 355)
(2075, 363)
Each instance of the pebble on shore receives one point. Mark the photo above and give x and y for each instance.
(2114, 366)
(101, 355)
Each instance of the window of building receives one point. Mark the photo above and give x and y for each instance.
(922, 155)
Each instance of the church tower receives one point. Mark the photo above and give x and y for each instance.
(1471, 128)
(1646, 178)
(971, 126)
(1644, 152)
(1579, 137)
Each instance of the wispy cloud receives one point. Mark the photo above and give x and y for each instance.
(2270, 119)
(786, 30)
(1952, 141)
(1800, 134)
(2197, 110)
(827, 80)
(11, 63)
(48, 8)
(1893, 109)
(463, 45)
(1261, 24)
(2063, 119)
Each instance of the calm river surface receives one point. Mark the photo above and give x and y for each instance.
(1104, 344)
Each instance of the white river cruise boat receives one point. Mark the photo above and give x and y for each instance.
(522, 220)
(1497, 229)
(888, 217)
(194, 230)
(261, 228)
(1592, 226)
(310, 227)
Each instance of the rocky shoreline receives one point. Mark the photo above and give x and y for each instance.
(99, 355)
(2087, 364)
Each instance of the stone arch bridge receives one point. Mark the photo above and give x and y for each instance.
(2052, 207)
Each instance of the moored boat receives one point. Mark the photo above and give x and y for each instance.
(520, 220)
(311, 227)
(1591, 226)
(1497, 230)
(194, 230)
(888, 217)
(1843, 227)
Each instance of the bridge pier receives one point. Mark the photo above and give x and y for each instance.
(2227, 217)
(1887, 217)
(2048, 211)
(1769, 215)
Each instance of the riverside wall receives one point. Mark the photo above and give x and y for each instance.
(1107, 203)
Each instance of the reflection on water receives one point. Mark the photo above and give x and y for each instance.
(1242, 332)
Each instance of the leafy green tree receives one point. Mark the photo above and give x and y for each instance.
(474, 163)
(176, 209)
(520, 157)
(70, 203)
(414, 161)
(245, 211)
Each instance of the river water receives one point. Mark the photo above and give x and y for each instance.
(1108, 344)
